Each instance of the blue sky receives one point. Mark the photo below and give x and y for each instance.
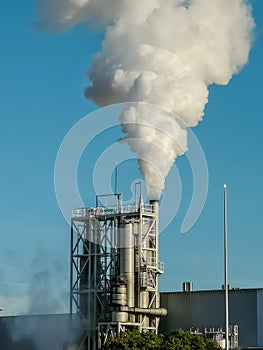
(41, 93)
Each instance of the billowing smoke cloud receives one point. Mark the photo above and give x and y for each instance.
(157, 137)
(163, 52)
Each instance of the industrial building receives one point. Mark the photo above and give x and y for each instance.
(114, 287)
(206, 310)
(187, 310)
(115, 268)
(198, 310)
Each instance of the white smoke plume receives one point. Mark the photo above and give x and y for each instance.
(163, 52)
(157, 137)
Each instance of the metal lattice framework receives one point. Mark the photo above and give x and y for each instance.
(114, 285)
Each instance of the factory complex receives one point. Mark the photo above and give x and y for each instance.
(114, 273)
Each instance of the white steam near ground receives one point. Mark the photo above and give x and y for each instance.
(165, 53)
(45, 292)
(45, 332)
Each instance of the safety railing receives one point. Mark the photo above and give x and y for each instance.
(111, 210)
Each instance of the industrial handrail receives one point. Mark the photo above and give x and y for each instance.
(152, 262)
(111, 210)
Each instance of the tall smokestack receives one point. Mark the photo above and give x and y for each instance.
(155, 205)
(155, 208)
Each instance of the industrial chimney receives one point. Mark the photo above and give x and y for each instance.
(187, 286)
(115, 269)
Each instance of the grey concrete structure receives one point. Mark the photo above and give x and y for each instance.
(206, 309)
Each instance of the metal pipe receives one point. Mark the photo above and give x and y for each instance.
(155, 207)
(127, 261)
(151, 311)
(226, 268)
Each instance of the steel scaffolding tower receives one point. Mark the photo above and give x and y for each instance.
(114, 270)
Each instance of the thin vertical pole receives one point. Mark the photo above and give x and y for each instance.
(226, 268)
(116, 178)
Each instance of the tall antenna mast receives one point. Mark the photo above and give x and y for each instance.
(116, 178)
(226, 268)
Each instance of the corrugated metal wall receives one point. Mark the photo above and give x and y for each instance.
(260, 316)
(206, 309)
